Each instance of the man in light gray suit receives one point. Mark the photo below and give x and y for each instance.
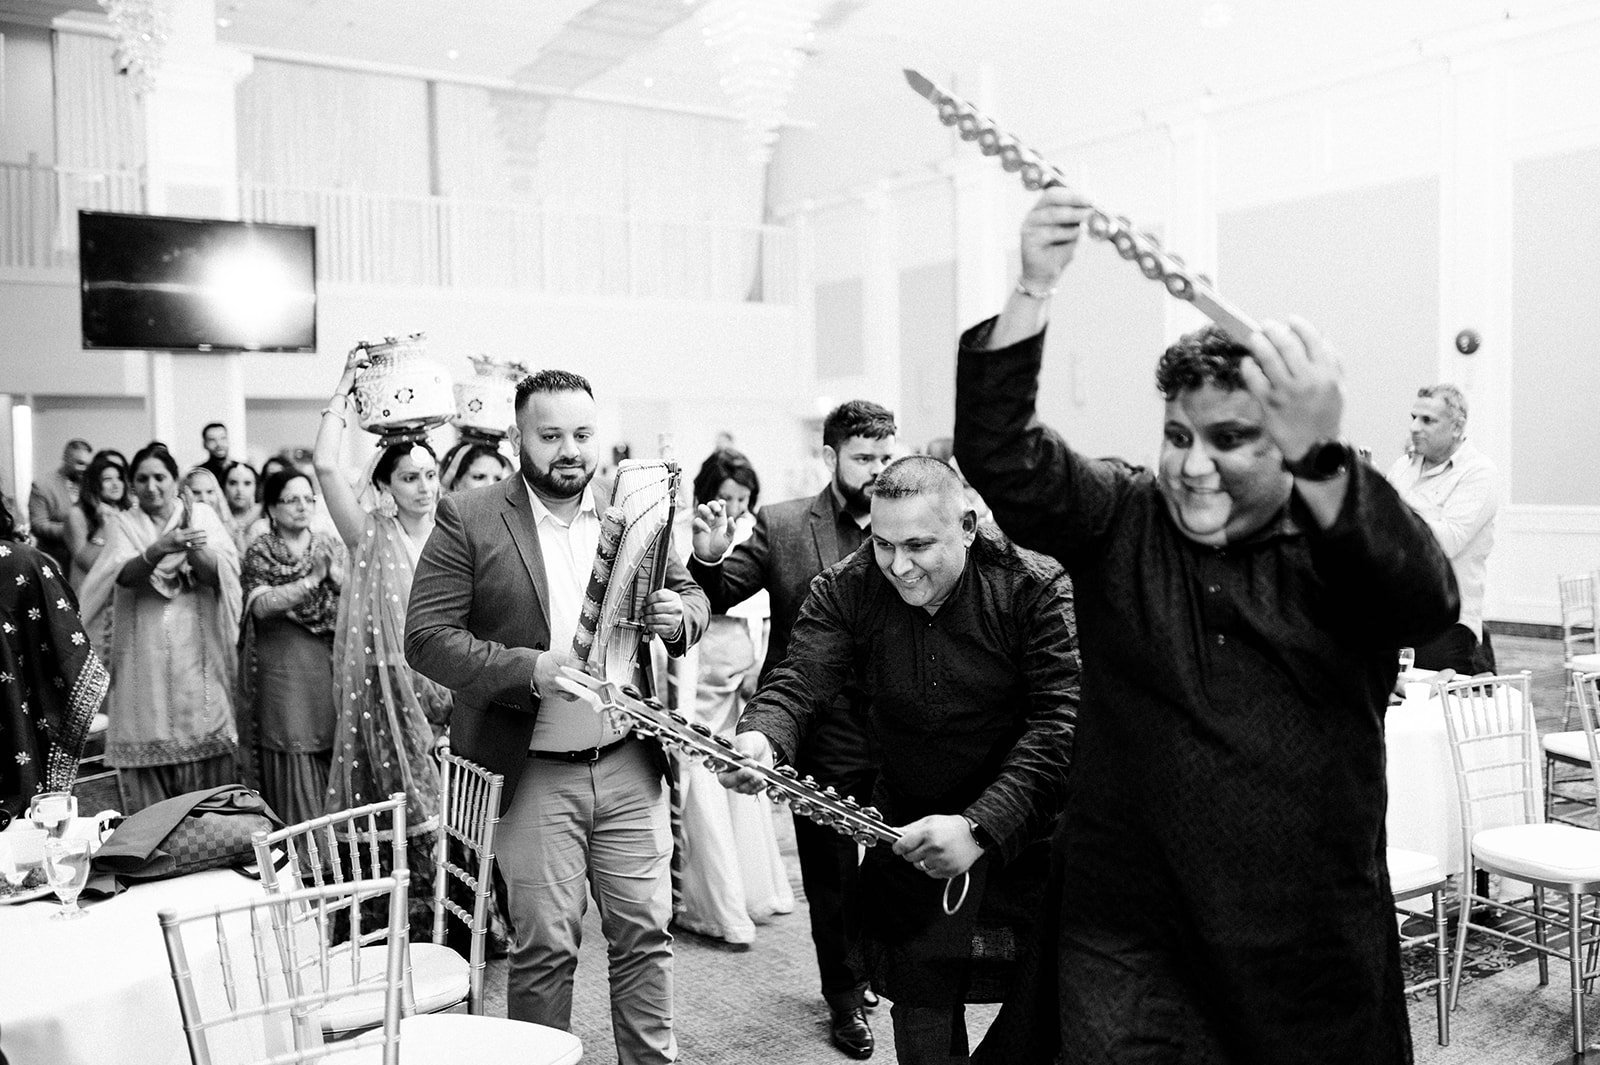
(494, 605)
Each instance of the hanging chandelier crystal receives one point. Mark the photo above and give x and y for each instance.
(758, 47)
(141, 29)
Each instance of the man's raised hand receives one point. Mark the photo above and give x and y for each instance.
(1298, 381)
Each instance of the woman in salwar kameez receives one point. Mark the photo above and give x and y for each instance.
(51, 681)
(171, 575)
(291, 577)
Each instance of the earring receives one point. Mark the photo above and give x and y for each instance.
(387, 507)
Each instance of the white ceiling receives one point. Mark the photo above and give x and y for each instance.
(1108, 62)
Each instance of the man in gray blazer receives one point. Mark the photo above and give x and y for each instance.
(52, 496)
(494, 605)
(794, 541)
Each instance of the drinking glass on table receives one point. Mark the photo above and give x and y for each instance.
(21, 852)
(66, 866)
(53, 811)
(1408, 659)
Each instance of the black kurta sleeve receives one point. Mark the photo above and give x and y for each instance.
(1028, 794)
(1043, 494)
(819, 664)
(1382, 565)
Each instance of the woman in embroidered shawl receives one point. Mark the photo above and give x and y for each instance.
(383, 739)
(51, 681)
(291, 578)
(171, 575)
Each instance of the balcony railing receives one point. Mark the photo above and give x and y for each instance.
(439, 242)
(39, 208)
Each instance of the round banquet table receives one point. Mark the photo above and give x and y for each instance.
(1424, 814)
(98, 989)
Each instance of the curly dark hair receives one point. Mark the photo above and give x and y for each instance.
(1207, 355)
(726, 464)
(857, 417)
(89, 498)
(550, 381)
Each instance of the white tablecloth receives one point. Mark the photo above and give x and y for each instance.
(97, 990)
(1423, 812)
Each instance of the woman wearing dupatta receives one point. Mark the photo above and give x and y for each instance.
(292, 576)
(51, 681)
(171, 576)
(388, 714)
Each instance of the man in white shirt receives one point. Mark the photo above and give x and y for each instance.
(1455, 489)
(494, 606)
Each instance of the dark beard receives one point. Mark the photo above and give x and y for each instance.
(856, 500)
(544, 482)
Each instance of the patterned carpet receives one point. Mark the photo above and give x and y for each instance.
(735, 1007)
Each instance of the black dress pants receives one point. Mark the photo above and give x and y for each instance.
(830, 870)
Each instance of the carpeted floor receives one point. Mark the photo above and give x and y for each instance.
(761, 1005)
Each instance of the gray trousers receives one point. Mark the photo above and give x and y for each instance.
(605, 827)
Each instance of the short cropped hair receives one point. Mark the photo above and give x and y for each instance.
(210, 426)
(726, 464)
(75, 444)
(916, 475)
(1454, 401)
(1206, 356)
(550, 381)
(857, 417)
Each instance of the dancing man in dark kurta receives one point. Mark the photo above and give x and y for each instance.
(964, 648)
(1219, 892)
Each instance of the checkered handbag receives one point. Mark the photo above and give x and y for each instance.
(187, 834)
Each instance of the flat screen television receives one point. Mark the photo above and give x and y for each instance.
(151, 282)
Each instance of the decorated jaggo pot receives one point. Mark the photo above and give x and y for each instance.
(486, 401)
(402, 389)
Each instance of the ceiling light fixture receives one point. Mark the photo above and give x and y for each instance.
(141, 29)
(224, 23)
(454, 53)
(758, 47)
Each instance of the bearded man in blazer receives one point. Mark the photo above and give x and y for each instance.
(494, 605)
(794, 541)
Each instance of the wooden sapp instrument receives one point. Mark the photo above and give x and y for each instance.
(1155, 262)
(825, 806)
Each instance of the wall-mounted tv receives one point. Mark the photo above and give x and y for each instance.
(151, 282)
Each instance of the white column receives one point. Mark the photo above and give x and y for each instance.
(1191, 210)
(880, 292)
(1475, 249)
(982, 232)
(191, 153)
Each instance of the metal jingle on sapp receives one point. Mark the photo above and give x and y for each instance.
(787, 771)
(723, 741)
(1150, 265)
(948, 112)
(699, 729)
(828, 792)
(1179, 286)
(871, 813)
(1032, 175)
(677, 718)
(1010, 157)
(989, 141)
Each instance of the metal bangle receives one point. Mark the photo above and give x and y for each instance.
(1022, 289)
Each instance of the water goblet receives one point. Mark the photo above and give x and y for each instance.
(66, 866)
(21, 852)
(53, 811)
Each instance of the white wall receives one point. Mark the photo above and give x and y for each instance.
(27, 120)
(1393, 208)
(672, 367)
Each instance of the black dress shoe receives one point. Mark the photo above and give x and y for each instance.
(851, 1033)
(869, 1000)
